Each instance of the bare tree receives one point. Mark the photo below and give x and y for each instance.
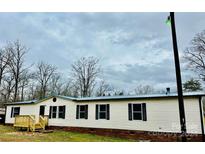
(103, 88)
(56, 84)
(142, 90)
(16, 64)
(43, 76)
(4, 61)
(33, 90)
(24, 82)
(84, 72)
(70, 89)
(75, 89)
(195, 55)
(67, 90)
(8, 87)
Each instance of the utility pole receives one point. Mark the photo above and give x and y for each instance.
(178, 78)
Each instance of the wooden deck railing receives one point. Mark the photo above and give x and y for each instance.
(32, 123)
(29, 122)
(42, 121)
(24, 121)
(46, 119)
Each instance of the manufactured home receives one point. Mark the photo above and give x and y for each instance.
(151, 113)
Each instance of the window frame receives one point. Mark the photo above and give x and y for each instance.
(102, 111)
(141, 111)
(52, 107)
(13, 114)
(61, 112)
(56, 113)
(44, 107)
(82, 112)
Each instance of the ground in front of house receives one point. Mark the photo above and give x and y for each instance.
(9, 134)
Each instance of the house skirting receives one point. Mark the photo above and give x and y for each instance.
(132, 134)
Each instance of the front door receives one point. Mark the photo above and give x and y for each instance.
(42, 110)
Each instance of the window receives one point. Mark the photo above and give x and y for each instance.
(54, 99)
(137, 112)
(42, 110)
(103, 111)
(53, 112)
(61, 112)
(15, 111)
(57, 112)
(82, 112)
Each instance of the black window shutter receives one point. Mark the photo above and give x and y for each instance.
(130, 111)
(12, 110)
(77, 112)
(96, 112)
(19, 110)
(108, 111)
(144, 111)
(86, 111)
(64, 110)
(50, 112)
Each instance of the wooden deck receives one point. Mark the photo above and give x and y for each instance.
(29, 122)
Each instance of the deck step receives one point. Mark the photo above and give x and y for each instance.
(38, 126)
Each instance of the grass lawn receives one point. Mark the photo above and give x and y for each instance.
(9, 134)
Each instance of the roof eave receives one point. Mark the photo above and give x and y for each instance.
(134, 98)
(102, 99)
(42, 100)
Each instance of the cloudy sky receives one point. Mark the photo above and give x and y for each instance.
(134, 48)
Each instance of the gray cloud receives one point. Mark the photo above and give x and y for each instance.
(133, 75)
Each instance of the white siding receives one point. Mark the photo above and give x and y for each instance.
(24, 110)
(162, 115)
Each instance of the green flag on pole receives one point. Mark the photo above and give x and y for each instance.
(168, 21)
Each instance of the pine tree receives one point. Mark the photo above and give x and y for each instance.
(192, 85)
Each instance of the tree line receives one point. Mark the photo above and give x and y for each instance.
(19, 82)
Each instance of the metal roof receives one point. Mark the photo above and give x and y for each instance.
(23, 102)
(189, 94)
(39, 101)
